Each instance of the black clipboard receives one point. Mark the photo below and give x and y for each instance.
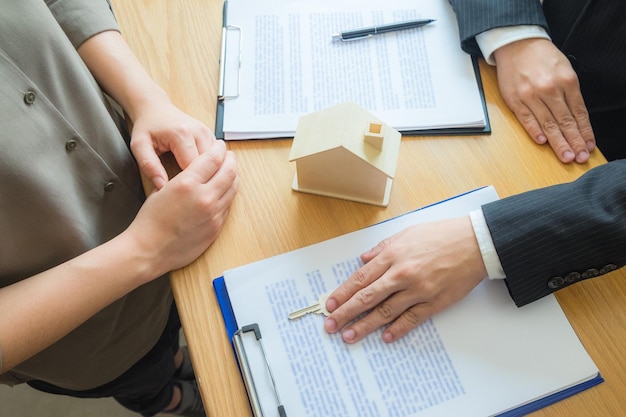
(222, 96)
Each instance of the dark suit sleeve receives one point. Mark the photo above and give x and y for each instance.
(553, 237)
(477, 16)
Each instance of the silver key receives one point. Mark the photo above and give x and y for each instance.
(317, 308)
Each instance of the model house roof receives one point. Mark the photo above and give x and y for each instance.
(344, 126)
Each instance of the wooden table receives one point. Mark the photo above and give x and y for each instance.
(178, 42)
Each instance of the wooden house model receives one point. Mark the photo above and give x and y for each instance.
(345, 152)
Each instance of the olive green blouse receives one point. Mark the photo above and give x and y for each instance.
(68, 183)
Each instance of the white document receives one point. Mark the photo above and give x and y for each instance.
(281, 63)
(481, 357)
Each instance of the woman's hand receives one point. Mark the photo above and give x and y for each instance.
(161, 127)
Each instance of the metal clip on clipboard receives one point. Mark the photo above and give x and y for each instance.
(230, 63)
(246, 371)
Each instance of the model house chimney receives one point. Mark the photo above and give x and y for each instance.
(374, 135)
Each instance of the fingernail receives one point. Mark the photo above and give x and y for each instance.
(541, 139)
(330, 325)
(331, 304)
(349, 335)
(568, 155)
(387, 337)
(591, 146)
(582, 157)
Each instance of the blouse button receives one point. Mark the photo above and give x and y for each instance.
(70, 145)
(108, 187)
(29, 97)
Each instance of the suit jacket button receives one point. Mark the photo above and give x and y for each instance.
(608, 268)
(590, 273)
(555, 282)
(572, 277)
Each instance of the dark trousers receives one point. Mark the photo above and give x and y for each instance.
(148, 386)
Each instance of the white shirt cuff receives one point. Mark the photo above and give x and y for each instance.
(493, 39)
(485, 243)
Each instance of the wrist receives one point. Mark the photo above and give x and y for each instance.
(141, 99)
(517, 49)
(141, 257)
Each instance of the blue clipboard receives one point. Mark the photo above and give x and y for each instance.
(221, 292)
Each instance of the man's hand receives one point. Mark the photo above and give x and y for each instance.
(540, 86)
(406, 279)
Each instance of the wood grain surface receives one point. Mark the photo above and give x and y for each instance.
(178, 41)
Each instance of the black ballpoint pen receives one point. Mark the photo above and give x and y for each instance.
(352, 35)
